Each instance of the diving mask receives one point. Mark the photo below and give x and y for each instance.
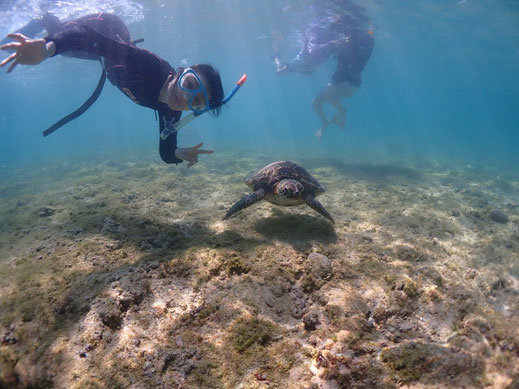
(193, 91)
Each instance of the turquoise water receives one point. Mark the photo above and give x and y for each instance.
(116, 270)
(441, 84)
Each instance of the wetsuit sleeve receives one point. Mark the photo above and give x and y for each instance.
(80, 37)
(311, 55)
(303, 63)
(167, 147)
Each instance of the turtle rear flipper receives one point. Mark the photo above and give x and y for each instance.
(316, 205)
(245, 202)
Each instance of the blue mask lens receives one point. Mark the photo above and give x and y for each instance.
(194, 92)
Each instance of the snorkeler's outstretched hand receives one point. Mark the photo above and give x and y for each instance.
(190, 154)
(280, 68)
(26, 51)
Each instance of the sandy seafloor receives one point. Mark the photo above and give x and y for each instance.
(121, 274)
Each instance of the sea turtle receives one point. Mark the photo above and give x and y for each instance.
(282, 183)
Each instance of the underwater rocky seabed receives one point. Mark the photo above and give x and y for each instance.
(122, 274)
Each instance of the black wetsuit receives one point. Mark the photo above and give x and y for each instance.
(347, 39)
(352, 56)
(138, 73)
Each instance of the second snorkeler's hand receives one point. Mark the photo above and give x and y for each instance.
(283, 69)
(190, 154)
(26, 51)
(280, 69)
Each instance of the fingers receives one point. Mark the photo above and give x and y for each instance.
(195, 148)
(7, 60)
(12, 57)
(12, 66)
(17, 36)
(193, 152)
(192, 161)
(12, 45)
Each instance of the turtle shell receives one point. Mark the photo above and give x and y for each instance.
(281, 170)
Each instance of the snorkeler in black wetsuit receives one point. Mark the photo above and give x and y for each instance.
(141, 75)
(352, 43)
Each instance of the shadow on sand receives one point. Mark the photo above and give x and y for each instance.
(296, 228)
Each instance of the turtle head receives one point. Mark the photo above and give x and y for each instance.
(289, 189)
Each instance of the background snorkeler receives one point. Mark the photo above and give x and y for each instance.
(345, 36)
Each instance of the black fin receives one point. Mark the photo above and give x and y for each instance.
(316, 205)
(91, 100)
(245, 202)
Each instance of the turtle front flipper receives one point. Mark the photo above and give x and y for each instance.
(316, 205)
(245, 202)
